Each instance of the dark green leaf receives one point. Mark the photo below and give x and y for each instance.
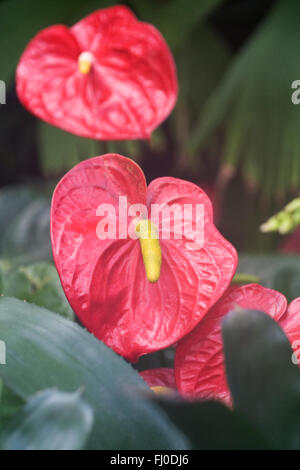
(45, 350)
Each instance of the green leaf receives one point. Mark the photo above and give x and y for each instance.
(257, 90)
(264, 383)
(39, 284)
(44, 350)
(50, 420)
(279, 272)
(212, 426)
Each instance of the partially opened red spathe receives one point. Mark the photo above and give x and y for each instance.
(199, 358)
(108, 77)
(138, 296)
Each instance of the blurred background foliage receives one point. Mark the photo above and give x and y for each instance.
(234, 130)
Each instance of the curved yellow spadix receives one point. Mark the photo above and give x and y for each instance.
(151, 251)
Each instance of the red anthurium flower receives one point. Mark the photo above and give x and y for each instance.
(108, 77)
(199, 359)
(137, 294)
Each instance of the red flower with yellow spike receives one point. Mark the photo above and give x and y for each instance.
(138, 282)
(107, 77)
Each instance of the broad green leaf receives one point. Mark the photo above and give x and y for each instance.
(212, 426)
(50, 420)
(279, 272)
(39, 284)
(264, 383)
(45, 350)
(59, 151)
(27, 238)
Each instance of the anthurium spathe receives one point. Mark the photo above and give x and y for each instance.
(144, 285)
(199, 359)
(108, 77)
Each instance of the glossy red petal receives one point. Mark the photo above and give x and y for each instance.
(162, 377)
(105, 280)
(199, 360)
(130, 90)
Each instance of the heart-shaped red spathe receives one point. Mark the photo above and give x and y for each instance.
(130, 89)
(105, 280)
(199, 358)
